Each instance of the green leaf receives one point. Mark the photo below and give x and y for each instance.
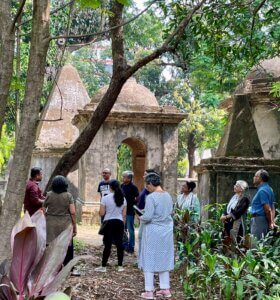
(239, 289)
(191, 271)
(254, 280)
(227, 290)
(90, 3)
(275, 90)
(124, 2)
(225, 259)
(210, 261)
(7, 144)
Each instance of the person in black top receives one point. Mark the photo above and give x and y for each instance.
(103, 187)
(234, 216)
(131, 193)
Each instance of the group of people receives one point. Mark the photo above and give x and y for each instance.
(261, 208)
(130, 192)
(58, 206)
(154, 208)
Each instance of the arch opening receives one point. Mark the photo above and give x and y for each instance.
(124, 160)
(132, 155)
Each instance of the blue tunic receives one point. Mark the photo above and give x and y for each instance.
(263, 196)
(156, 250)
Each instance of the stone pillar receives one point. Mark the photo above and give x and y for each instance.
(139, 164)
(169, 158)
(89, 170)
(206, 190)
(153, 133)
(109, 148)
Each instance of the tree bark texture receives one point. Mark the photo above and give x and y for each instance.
(121, 72)
(191, 153)
(7, 44)
(29, 120)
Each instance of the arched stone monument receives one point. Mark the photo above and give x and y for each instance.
(138, 121)
(251, 139)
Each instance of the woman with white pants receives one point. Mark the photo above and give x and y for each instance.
(156, 253)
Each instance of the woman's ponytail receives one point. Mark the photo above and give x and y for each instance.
(118, 193)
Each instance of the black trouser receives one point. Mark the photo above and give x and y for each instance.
(70, 253)
(114, 233)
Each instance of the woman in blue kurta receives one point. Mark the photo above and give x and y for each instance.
(156, 253)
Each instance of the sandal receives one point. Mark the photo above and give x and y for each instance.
(147, 295)
(164, 293)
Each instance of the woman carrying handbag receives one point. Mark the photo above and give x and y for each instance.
(113, 208)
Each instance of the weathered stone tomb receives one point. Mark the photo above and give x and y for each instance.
(251, 139)
(136, 120)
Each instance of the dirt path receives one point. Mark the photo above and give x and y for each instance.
(127, 285)
(89, 235)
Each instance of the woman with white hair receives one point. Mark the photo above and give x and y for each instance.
(234, 216)
(156, 253)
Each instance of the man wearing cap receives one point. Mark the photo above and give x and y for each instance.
(131, 193)
(263, 209)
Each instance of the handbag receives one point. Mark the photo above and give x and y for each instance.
(103, 227)
(125, 239)
(104, 224)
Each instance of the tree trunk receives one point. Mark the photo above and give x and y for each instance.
(191, 153)
(17, 92)
(7, 44)
(29, 119)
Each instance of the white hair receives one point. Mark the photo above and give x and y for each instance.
(243, 184)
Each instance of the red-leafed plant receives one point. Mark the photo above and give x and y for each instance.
(35, 270)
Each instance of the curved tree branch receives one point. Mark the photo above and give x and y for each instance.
(19, 12)
(256, 10)
(52, 12)
(104, 31)
(170, 43)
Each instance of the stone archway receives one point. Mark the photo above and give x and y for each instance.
(136, 120)
(139, 159)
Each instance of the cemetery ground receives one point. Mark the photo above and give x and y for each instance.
(111, 285)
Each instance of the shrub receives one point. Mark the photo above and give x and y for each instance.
(208, 274)
(35, 270)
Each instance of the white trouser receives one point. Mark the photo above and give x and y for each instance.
(163, 280)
